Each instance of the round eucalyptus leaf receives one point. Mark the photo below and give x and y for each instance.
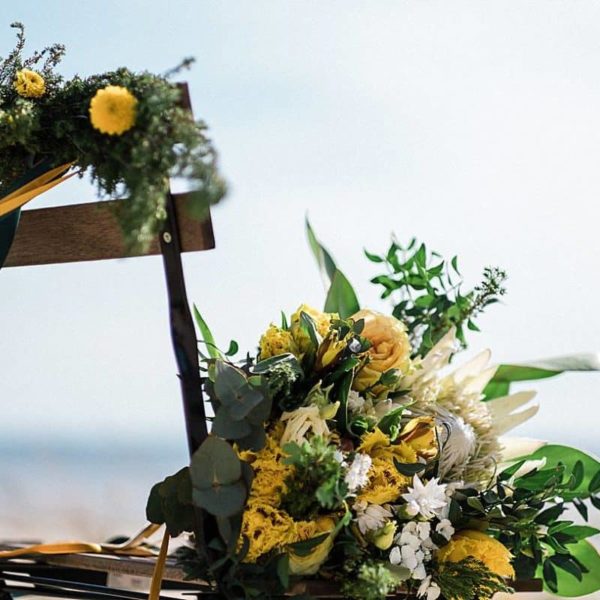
(226, 427)
(214, 464)
(223, 500)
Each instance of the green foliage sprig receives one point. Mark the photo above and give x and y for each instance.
(317, 480)
(55, 128)
(427, 296)
(468, 579)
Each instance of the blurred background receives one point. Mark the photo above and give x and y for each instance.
(474, 126)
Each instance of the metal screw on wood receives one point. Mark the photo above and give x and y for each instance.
(167, 237)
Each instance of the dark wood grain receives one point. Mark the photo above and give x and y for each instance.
(84, 232)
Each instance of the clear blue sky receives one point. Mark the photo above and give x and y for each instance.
(474, 126)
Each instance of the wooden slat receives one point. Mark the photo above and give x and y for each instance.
(144, 567)
(84, 232)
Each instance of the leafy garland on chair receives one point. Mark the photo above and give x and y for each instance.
(126, 129)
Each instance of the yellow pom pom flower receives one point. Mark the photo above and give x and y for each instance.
(29, 84)
(113, 110)
(276, 341)
(471, 543)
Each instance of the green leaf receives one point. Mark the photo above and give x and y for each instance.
(215, 464)
(226, 427)
(234, 392)
(305, 547)
(341, 297)
(580, 532)
(391, 423)
(283, 570)
(409, 469)
(325, 263)
(170, 502)
(207, 336)
(567, 585)
(507, 374)
(222, 500)
(556, 454)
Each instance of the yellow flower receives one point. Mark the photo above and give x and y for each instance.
(385, 485)
(29, 84)
(390, 349)
(276, 341)
(330, 349)
(383, 538)
(265, 528)
(419, 434)
(322, 321)
(270, 472)
(310, 564)
(494, 555)
(113, 110)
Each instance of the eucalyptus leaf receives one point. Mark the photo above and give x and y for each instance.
(222, 500)
(226, 427)
(214, 464)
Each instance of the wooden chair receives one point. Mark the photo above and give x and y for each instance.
(90, 232)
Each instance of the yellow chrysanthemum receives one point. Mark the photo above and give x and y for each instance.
(29, 84)
(494, 555)
(270, 472)
(113, 110)
(276, 341)
(385, 485)
(265, 528)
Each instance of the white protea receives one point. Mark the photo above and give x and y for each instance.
(468, 428)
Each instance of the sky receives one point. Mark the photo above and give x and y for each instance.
(474, 126)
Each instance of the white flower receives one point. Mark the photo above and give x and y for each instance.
(445, 529)
(423, 531)
(395, 555)
(301, 422)
(371, 517)
(429, 589)
(355, 401)
(428, 500)
(339, 456)
(357, 475)
(419, 572)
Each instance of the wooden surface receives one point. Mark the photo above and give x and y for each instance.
(143, 567)
(84, 232)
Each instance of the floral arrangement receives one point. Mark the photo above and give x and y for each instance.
(127, 129)
(352, 450)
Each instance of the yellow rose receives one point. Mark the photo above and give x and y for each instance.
(276, 341)
(322, 322)
(390, 349)
(29, 84)
(494, 555)
(310, 564)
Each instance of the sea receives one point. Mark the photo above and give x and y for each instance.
(79, 489)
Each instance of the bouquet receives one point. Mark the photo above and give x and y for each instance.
(129, 130)
(357, 448)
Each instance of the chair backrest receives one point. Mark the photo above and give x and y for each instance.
(86, 232)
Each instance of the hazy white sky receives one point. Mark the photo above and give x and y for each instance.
(472, 125)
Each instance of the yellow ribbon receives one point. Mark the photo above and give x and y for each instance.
(131, 547)
(34, 188)
(159, 568)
